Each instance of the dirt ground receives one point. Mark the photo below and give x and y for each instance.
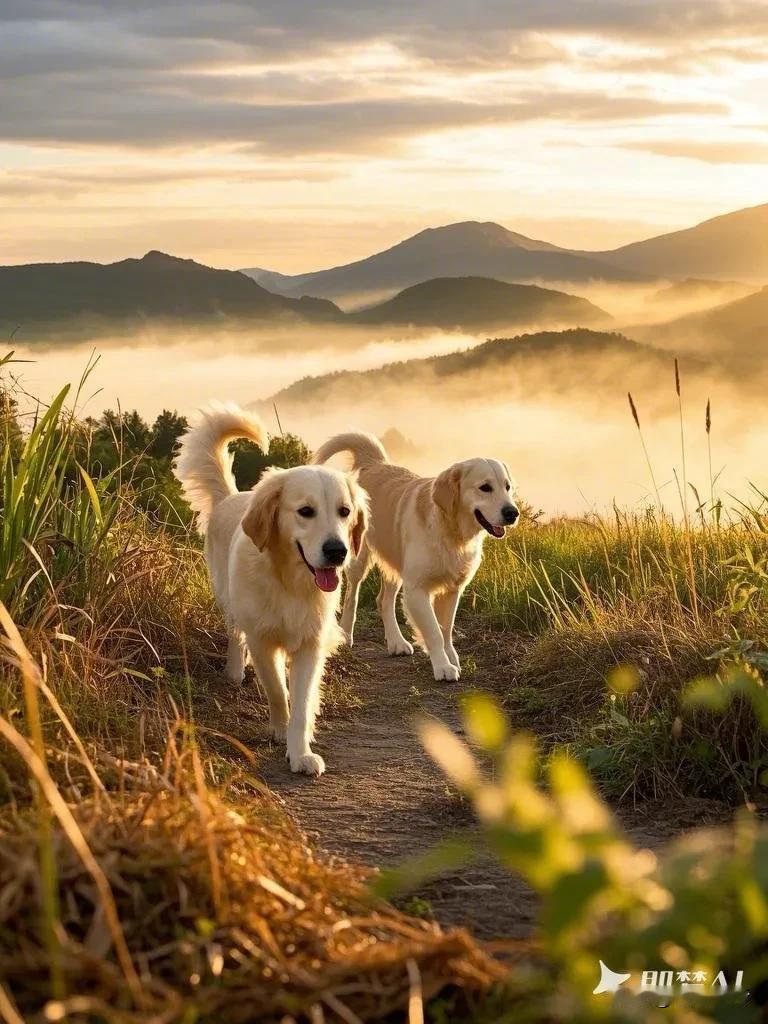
(383, 800)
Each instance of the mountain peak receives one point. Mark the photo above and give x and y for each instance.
(483, 232)
(478, 228)
(158, 258)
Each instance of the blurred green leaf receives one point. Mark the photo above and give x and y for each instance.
(484, 721)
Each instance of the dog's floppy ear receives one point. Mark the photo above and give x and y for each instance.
(361, 525)
(360, 502)
(260, 521)
(358, 530)
(445, 490)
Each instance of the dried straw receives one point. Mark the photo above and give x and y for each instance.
(175, 904)
(275, 932)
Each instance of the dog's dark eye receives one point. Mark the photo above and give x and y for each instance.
(306, 512)
(487, 488)
(343, 511)
(507, 486)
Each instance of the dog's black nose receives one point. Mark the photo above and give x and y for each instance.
(334, 551)
(510, 514)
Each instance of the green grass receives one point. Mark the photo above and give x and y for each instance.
(575, 571)
(677, 600)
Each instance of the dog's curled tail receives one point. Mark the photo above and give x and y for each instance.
(366, 450)
(204, 465)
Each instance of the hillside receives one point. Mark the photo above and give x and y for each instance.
(731, 246)
(737, 330)
(456, 250)
(155, 286)
(546, 363)
(734, 245)
(703, 288)
(480, 303)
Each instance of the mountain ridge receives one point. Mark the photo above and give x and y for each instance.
(155, 285)
(158, 286)
(576, 360)
(466, 248)
(737, 330)
(729, 246)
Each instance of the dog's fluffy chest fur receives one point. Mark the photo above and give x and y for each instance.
(285, 607)
(444, 567)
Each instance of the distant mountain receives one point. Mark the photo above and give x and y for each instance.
(737, 331)
(732, 246)
(269, 279)
(157, 286)
(579, 362)
(457, 250)
(480, 303)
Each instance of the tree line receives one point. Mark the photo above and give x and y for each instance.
(129, 453)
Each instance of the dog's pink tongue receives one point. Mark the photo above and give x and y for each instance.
(498, 531)
(327, 579)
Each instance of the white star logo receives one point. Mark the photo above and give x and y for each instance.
(610, 981)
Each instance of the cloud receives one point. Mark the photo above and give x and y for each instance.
(170, 73)
(61, 184)
(179, 110)
(706, 152)
(86, 34)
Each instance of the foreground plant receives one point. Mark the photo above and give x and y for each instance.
(699, 910)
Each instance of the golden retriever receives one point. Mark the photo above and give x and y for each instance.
(426, 535)
(274, 555)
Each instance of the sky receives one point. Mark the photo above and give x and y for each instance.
(294, 135)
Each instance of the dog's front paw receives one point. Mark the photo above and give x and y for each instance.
(444, 670)
(453, 656)
(308, 764)
(399, 647)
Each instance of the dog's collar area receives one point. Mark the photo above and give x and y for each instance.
(495, 531)
(327, 579)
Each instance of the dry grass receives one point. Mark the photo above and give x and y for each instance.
(172, 903)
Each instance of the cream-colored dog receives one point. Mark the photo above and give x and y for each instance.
(274, 555)
(427, 536)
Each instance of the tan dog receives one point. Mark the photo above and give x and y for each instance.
(426, 535)
(274, 555)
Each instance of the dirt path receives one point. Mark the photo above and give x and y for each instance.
(383, 800)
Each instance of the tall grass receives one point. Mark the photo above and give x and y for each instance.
(571, 571)
(45, 511)
(102, 594)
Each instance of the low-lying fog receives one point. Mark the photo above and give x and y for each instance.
(182, 370)
(570, 452)
(565, 428)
